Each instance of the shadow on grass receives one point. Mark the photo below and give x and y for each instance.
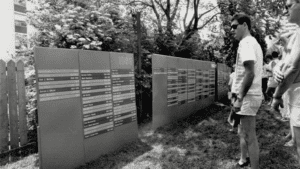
(202, 140)
(119, 158)
(213, 146)
(18, 153)
(197, 141)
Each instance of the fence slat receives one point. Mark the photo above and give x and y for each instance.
(3, 109)
(22, 103)
(12, 100)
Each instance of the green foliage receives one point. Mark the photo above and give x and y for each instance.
(66, 26)
(165, 18)
(261, 24)
(74, 25)
(78, 24)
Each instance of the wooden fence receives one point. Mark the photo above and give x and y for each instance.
(13, 121)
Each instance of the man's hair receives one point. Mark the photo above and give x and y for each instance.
(241, 18)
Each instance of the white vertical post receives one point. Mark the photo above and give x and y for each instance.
(7, 30)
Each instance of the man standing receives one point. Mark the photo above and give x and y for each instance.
(289, 77)
(247, 87)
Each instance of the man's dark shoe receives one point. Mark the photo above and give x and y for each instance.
(245, 163)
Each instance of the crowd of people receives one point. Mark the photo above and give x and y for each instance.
(275, 81)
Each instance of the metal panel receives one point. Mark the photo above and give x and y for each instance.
(206, 99)
(59, 105)
(219, 81)
(159, 90)
(172, 88)
(96, 91)
(211, 82)
(223, 77)
(199, 94)
(180, 92)
(182, 88)
(124, 104)
(191, 86)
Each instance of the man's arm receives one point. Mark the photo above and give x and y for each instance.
(291, 70)
(230, 83)
(269, 67)
(277, 73)
(248, 78)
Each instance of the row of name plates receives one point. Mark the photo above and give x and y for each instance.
(189, 85)
(108, 96)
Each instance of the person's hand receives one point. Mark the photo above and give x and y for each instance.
(277, 74)
(276, 103)
(233, 98)
(237, 104)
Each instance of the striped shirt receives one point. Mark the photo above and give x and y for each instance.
(293, 93)
(249, 49)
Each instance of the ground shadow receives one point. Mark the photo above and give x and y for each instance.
(119, 158)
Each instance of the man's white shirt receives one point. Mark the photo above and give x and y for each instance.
(249, 49)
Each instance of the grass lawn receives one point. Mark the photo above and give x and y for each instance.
(202, 141)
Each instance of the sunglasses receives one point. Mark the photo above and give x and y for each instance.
(234, 26)
(287, 7)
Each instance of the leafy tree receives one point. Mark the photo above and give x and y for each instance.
(76, 25)
(170, 39)
(265, 16)
(92, 25)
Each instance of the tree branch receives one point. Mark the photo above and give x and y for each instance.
(168, 9)
(141, 2)
(203, 25)
(201, 15)
(186, 13)
(175, 10)
(160, 5)
(196, 2)
(157, 16)
(191, 22)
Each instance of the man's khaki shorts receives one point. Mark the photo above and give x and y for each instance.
(250, 105)
(294, 115)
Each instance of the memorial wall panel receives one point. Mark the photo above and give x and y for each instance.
(159, 91)
(96, 98)
(223, 79)
(182, 81)
(205, 83)
(199, 82)
(86, 103)
(124, 101)
(172, 88)
(60, 119)
(191, 87)
(182, 88)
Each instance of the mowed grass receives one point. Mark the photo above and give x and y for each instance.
(201, 141)
(30, 162)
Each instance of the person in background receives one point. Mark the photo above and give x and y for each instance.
(273, 52)
(231, 76)
(264, 81)
(230, 117)
(267, 74)
(288, 77)
(247, 88)
(281, 42)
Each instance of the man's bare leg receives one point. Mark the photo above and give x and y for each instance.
(249, 127)
(297, 140)
(243, 144)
